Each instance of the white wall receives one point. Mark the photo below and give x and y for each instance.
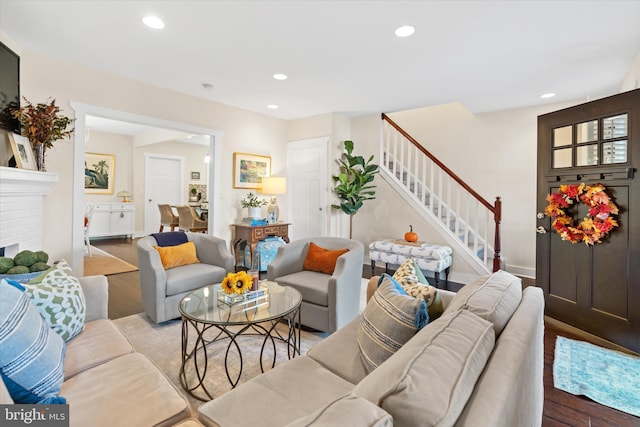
(338, 128)
(193, 161)
(121, 147)
(43, 77)
(632, 79)
(494, 152)
(129, 167)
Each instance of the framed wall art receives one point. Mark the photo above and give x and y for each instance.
(22, 151)
(98, 173)
(248, 170)
(195, 175)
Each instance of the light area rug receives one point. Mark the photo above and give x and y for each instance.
(102, 262)
(608, 377)
(162, 344)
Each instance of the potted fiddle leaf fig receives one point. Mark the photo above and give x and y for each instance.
(353, 185)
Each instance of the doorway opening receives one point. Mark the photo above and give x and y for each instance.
(85, 113)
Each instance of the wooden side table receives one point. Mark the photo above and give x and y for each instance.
(253, 234)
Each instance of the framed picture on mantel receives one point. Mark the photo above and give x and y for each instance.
(22, 152)
(249, 169)
(98, 173)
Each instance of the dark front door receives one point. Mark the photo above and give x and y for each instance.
(593, 287)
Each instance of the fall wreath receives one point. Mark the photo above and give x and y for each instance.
(594, 227)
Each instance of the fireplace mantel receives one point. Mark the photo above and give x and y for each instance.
(22, 194)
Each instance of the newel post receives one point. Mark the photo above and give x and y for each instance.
(497, 216)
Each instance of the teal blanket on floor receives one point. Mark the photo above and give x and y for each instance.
(605, 376)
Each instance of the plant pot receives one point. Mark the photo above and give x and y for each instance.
(255, 212)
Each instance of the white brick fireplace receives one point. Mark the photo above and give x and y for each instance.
(22, 194)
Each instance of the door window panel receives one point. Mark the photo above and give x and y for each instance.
(562, 158)
(587, 155)
(601, 141)
(587, 132)
(614, 127)
(614, 152)
(562, 136)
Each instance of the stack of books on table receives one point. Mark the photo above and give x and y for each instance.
(254, 221)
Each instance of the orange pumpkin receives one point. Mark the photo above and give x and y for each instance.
(410, 236)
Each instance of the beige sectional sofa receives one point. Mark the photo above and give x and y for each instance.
(106, 382)
(479, 364)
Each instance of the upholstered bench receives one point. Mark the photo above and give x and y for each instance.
(433, 258)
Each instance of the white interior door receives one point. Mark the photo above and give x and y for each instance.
(164, 182)
(307, 178)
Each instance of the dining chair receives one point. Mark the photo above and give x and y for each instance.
(167, 218)
(189, 221)
(88, 213)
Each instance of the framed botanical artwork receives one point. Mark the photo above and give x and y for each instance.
(22, 151)
(98, 173)
(248, 170)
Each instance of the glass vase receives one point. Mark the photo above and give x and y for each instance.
(38, 153)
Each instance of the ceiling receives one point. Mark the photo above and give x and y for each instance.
(343, 56)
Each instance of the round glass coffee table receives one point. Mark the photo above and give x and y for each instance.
(210, 316)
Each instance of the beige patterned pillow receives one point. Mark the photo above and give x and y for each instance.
(390, 319)
(415, 284)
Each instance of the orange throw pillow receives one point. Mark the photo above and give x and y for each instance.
(321, 259)
(179, 255)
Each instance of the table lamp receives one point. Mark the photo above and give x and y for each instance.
(126, 196)
(273, 185)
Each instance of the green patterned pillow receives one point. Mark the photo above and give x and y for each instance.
(58, 296)
(415, 284)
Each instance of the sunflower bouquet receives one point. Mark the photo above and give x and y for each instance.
(237, 283)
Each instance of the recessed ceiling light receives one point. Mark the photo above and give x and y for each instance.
(153, 22)
(280, 76)
(272, 106)
(547, 95)
(405, 31)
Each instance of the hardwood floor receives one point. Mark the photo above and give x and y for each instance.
(124, 288)
(561, 409)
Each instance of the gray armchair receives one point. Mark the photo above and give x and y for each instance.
(328, 302)
(163, 289)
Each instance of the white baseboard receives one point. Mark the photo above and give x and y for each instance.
(521, 271)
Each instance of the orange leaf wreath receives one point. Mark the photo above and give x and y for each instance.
(594, 227)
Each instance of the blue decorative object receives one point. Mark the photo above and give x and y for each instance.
(32, 356)
(264, 252)
(21, 278)
(606, 376)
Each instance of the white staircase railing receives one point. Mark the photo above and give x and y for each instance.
(470, 223)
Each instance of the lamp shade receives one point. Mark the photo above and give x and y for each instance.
(126, 196)
(274, 185)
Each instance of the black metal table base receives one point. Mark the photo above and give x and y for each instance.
(226, 332)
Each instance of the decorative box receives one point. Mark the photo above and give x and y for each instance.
(249, 299)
